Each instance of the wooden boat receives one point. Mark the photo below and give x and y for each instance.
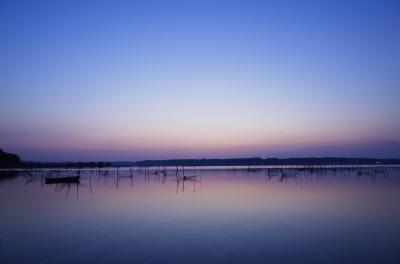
(189, 178)
(70, 179)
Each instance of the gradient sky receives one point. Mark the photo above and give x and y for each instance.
(129, 80)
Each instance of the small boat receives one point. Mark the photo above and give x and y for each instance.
(70, 179)
(189, 178)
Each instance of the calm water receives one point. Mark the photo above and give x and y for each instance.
(219, 217)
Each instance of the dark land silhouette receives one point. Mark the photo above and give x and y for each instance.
(10, 160)
(100, 164)
(266, 161)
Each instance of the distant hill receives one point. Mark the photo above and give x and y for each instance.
(266, 161)
(9, 160)
(100, 164)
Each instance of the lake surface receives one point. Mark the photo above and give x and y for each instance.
(219, 216)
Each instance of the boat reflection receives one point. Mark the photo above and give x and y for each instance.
(189, 178)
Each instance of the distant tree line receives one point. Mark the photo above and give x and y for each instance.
(267, 161)
(8, 160)
(66, 164)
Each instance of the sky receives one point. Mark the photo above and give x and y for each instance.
(131, 80)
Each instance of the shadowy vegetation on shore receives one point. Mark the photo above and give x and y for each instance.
(66, 164)
(9, 160)
(266, 161)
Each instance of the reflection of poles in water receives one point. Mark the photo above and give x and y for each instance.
(267, 173)
(253, 169)
(372, 174)
(131, 175)
(42, 180)
(98, 178)
(194, 186)
(164, 178)
(131, 181)
(146, 175)
(283, 175)
(90, 183)
(200, 179)
(116, 180)
(182, 179)
(29, 179)
(177, 171)
(301, 183)
(60, 187)
(69, 186)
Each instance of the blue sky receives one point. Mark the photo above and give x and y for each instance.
(127, 80)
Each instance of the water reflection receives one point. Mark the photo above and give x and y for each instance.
(188, 179)
(219, 215)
